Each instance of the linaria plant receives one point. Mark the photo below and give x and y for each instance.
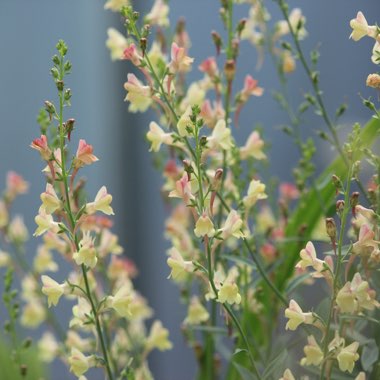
(107, 323)
(241, 263)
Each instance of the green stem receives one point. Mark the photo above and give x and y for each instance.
(73, 225)
(337, 269)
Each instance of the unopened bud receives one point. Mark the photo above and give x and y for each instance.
(340, 207)
(69, 127)
(337, 183)
(60, 85)
(240, 26)
(217, 41)
(27, 343)
(23, 370)
(331, 228)
(217, 180)
(229, 70)
(143, 42)
(354, 201)
(49, 107)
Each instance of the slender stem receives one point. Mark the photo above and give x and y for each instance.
(73, 225)
(337, 269)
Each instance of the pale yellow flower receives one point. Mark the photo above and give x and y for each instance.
(348, 356)
(196, 313)
(52, 289)
(79, 363)
(87, 252)
(158, 338)
(204, 226)
(296, 316)
(313, 352)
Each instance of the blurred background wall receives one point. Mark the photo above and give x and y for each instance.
(29, 31)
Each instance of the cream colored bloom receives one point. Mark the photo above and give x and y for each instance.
(196, 312)
(138, 95)
(101, 203)
(44, 222)
(116, 5)
(116, 43)
(179, 267)
(180, 62)
(79, 363)
(5, 259)
(157, 137)
(348, 356)
(52, 289)
(184, 123)
(158, 338)
(87, 252)
(309, 258)
(43, 261)
(220, 137)
(17, 231)
(296, 316)
(204, 226)
(313, 352)
(256, 191)
(121, 301)
(360, 28)
(158, 14)
(229, 292)
(287, 375)
(232, 226)
(33, 313)
(47, 347)
(50, 200)
(253, 147)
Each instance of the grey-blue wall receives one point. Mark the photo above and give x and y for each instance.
(29, 31)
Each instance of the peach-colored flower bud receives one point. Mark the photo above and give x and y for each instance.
(366, 243)
(373, 80)
(15, 185)
(101, 203)
(41, 144)
(84, 154)
(131, 54)
(182, 189)
(17, 231)
(230, 70)
(253, 147)
(250, 88)
(209, 67)
(288, 62)
(180, 62)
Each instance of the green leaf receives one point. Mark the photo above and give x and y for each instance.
(309, 210)
(276, 365)
(244, 373)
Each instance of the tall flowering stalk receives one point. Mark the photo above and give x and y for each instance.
(240, 253)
